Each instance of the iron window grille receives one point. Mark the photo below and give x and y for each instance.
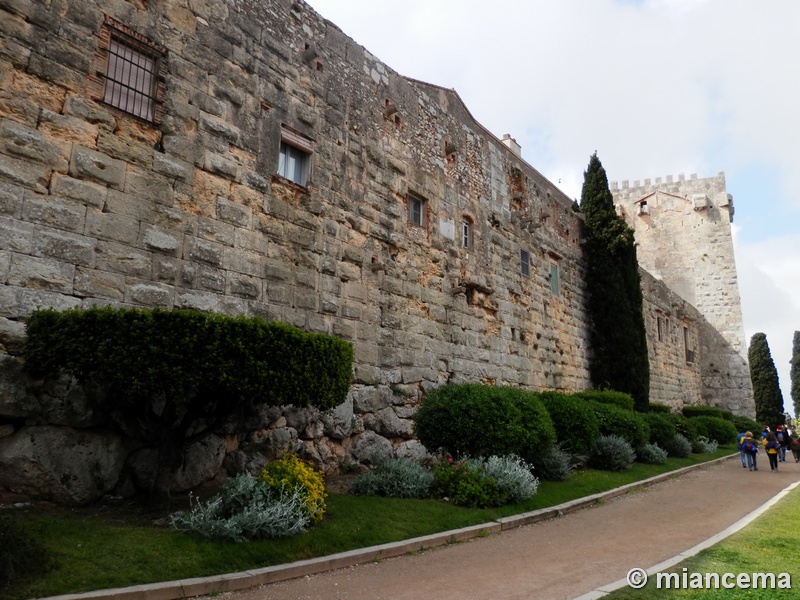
(130, 72)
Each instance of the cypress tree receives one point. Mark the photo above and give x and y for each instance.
(764, 375)
(794, 374)
(616, 322)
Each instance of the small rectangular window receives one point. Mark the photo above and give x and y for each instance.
(416, 211)
(294, 159)
(660, 326)
(524, 262)
(554, 284)
(130, 72)
(466, 234)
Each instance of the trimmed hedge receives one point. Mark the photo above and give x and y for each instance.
(746, 424)
(655, 407)
(682, 426)
(477, 420)
(662, 429)
(170, 376)
(620, 399)
(627, 424)
(576, 424)
(178, 353)
(714, 428)
(707, 411)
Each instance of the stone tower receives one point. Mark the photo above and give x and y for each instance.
(683, 236)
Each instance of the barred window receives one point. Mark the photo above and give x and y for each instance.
(130, 72)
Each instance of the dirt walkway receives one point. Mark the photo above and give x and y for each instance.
(559, 558)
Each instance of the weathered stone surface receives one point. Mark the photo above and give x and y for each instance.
(15, 401)
(386, 423)
(26, 142)
(369, 399)
(89, 164)
(101, 207)
(12, 339)
(371, 448)
(200, 464)
(62, 464)
(41, 274)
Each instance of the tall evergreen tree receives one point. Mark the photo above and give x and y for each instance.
(794, 374)
(764, 375)
(617, 332)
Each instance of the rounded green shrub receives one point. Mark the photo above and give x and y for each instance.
(611, 453)
(465, 483)
(679, 447)
(746, 424)
(721, 430)
(662, 429)
(576, 423)
(478, 420)
(619, 399)
(655, 407)
(682, 426)
(627, 424)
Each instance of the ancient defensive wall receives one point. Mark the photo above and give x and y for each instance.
(683, 236)
(266, 164)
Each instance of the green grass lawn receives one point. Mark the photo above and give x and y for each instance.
(770, 544)
(103, 547)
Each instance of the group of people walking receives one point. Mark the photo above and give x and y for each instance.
(775, 444)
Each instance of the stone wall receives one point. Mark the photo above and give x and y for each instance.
(414, 233)
(683, 236)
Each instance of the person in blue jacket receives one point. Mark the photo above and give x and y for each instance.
(750, 449)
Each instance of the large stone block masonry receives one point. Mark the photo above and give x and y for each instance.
(403, 226)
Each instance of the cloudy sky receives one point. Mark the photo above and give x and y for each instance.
(656, 87)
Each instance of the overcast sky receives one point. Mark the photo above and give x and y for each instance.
(656, 87)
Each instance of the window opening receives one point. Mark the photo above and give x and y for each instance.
(416, 210)
(132, 73)
(524, 262)
(294, 159)
(689, 353)
(466, 233)
(554, 283)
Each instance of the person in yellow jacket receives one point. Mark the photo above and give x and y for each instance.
(772, 446)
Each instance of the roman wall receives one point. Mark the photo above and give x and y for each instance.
(683, 235)
(410, 230)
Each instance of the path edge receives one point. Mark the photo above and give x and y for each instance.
(230, 582)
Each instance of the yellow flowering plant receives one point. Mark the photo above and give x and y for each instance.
(291, 474)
